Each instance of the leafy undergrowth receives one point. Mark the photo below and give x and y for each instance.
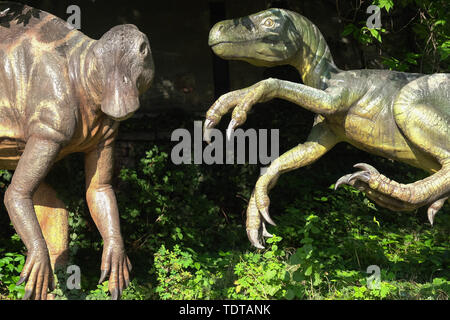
(183, 246)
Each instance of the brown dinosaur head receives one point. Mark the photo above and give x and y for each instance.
(123, 55)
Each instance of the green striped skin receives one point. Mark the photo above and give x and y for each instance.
(397, 115)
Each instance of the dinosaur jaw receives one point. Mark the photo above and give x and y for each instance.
(248, 51)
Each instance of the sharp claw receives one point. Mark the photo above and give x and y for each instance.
(265, 213)
(265, 233)
(362, 175)
(52, 284)
(27, 295)
(434, 208)
(208, 124)
(342, 180)
(231, 128)
(207, 130)
(21, 280)
(365, 166)
(4, 12)
(431, 213)
(115, 294)
(207, 135)
(102, 276)
(253, 237)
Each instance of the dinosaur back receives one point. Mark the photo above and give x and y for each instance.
(19, 22)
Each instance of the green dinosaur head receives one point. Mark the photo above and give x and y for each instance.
(267, 38)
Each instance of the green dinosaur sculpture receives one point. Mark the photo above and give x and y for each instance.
(397, 115)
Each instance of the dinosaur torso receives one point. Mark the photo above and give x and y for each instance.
(42, 63)
(366, 119)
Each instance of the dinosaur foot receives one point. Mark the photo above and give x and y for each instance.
(257, 217)
(257, 236)
(385, 192)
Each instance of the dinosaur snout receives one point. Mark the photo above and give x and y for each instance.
(216, 34)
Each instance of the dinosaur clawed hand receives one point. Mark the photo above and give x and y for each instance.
(116, 264)
(38, 275)
(385, 192)
(242, 101)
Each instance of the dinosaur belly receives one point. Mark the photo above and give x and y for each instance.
(382, 137)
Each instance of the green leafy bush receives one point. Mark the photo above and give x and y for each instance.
(11, 265)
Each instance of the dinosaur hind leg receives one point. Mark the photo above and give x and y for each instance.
(53, 219)
(320, 141)
(422, 112)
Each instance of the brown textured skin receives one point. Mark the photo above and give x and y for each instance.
(62, 92)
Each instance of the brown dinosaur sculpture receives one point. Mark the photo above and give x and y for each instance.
(62, 92)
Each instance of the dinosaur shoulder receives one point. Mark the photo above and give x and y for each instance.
(51, 107)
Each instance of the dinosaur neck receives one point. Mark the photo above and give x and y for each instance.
(81, 66)
(313, 60)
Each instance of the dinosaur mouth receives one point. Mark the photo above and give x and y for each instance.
(230, 49)
(240, 50)
(237, 42)
(222, 49)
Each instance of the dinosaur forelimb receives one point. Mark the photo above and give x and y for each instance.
(242, 101)
(431, 191)
(317, 101)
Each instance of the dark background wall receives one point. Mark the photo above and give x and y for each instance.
(188, 76)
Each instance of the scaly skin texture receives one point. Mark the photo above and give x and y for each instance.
(62, 92)
(397, 115)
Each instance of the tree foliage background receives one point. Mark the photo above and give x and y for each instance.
(184, 226)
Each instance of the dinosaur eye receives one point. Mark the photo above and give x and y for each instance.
(269, 23)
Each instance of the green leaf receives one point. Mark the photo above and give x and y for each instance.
(290, 294)
(376, 34)
(348, 29)
(386, 4)
(308, 270)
